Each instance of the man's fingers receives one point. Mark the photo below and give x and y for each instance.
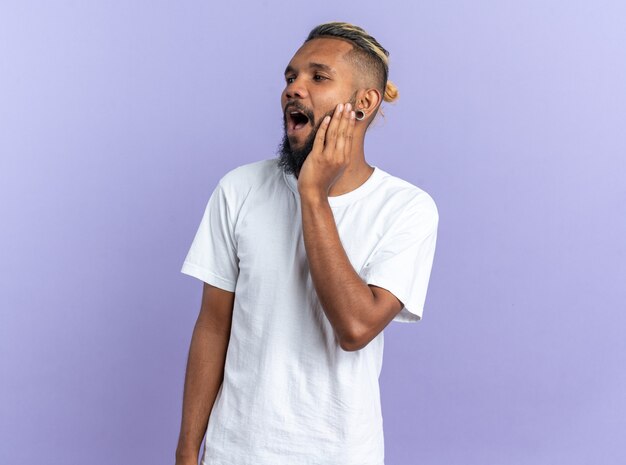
(318, 144)
(342, 131)
(331, 135)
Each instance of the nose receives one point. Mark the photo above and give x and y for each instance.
(295, 89)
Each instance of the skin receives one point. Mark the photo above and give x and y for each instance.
(205, 370)
(358, 312)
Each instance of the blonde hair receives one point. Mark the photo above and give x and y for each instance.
(391, 92)
(367, 54)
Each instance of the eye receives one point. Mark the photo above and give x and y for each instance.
(289, 79)
(319, 78)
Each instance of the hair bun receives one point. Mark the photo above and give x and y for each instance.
(391, 92)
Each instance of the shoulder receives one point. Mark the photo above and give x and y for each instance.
(240, 184)
(250, 173)
(404, 196)
(243, 179)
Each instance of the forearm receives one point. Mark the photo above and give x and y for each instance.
(345, 297)
(204, 376)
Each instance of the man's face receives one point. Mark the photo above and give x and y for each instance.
(316, 79)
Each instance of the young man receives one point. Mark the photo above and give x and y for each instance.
(305, 258)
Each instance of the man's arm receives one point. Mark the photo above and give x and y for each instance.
(356, 311)
(205, 370)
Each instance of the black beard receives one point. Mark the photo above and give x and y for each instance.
(290, 159)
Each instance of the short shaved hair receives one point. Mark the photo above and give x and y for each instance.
(369, 58)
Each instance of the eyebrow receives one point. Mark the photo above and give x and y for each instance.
(320, 66)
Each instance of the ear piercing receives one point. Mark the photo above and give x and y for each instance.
(359, 114)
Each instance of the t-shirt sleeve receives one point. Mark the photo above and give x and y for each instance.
(212, 257)
(403, 260)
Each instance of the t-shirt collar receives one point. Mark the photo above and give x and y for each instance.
(344, 199)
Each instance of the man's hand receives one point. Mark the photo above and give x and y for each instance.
(331, 153)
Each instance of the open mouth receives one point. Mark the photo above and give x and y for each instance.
(296, 120)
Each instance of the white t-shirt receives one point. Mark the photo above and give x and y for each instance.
(291, 394)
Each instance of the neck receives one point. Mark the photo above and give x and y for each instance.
(357, 172)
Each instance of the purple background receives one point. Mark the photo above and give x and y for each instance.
(118, 118)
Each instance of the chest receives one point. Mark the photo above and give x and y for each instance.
(269, 236)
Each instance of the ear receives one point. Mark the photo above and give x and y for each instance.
(368, 100)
